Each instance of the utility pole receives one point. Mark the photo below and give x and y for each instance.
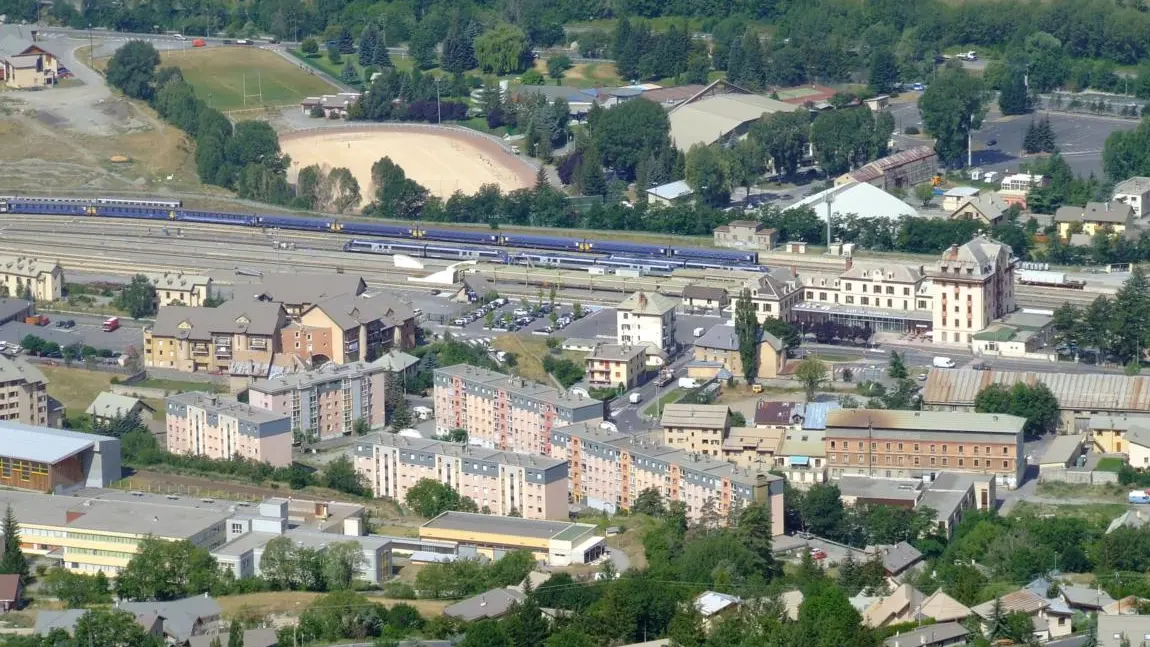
(438, 109)
(969, 154)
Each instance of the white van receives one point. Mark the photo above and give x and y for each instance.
(699, 331)
(943, 362)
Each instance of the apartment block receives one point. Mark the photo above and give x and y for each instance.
(611, 365)
(504, 412)
(647, 318)
(609, 470)
(177, 288)
(326, 402)
(504, 483)
(23, 393)
(913, 444)
(236, 335)
(216, 427)
(973, 284)
(362, 327)
(696, 428)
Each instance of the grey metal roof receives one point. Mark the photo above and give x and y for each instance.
(943, 502)
(724, 337)
(1084, 596)
(180, 616)
(252, 638)
(43, 444)
(298, 289)
(351, 310)
(866, 487)
(330, 372)
(1136, 185)
(518, 386)
(236, 316)
(617, 352)
(226, 406)
(489, 604)
(694, 291)
(396, 360)
(672, 190)
(899, 273)
(992, 423)
(115, 511)
(10, 307)
(1086, 392)
(899, 557)
(928, 635)
(1108, 212)
(484, 523)
(66, 619)
(699, 416)
(1062, 449)
(110, 405)
(815, 414)
(647, 303)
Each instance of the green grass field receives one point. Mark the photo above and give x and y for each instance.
(219, 75)
(322, 62)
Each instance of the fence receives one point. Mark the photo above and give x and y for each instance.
(1079, 477)
(1094, 104)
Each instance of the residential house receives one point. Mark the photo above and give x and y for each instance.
(1113, 217)
(942, 608)
(897, 558)
(696, 428)
(11, 591)
(718, 349)
(297, 293)
(1134, 192)
(987, 209)
(24, 63)
(177, 288)
(713, 606)
(746, 234)
(1050, 621)
(677, 192)
(362, 327)
(706, 298)
(108, 406)
(1138, 447)
(943, 634)
(26, 275)
(488, 605)
(334, 106)
(1085, 598)
(954, 197)
(614, 365)
(238, 337)
(1108, 433)
(647, 318)
(900, 606)
(1127, 606)
(182, 619)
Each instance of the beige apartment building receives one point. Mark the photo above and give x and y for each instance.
(326, 402)
(696, 428)
(237, 334)
(647, 318)
(23, 393)
(203, 424)
(44, 279)
(505, 412)
(611, 365)
(177, 288)
(609, 470)
(973, 284)
(500, 483)
(798, 454)
(361, 327)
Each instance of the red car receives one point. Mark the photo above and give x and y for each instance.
(818, 554)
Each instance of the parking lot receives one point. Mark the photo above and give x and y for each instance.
(86, 331)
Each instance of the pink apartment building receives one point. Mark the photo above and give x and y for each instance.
(326, 402)
(504, 412)
(609, 470)
(217, 427)
(502, 482)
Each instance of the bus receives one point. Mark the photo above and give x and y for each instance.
(111, 324)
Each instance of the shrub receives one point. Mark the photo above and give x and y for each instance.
(910, 130)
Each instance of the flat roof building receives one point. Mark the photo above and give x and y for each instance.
(44, 459)
(204, 424)
(559, 543)
(503, 412)
(506, 483)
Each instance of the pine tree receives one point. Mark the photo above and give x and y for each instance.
(13, 560)
(348, 74)
(591, 180)
(236, 635)
(458, 49)
(1045, 136)
(752, 58)
(381, 58)
(368, 41)
(1030, 141)
(344, 42)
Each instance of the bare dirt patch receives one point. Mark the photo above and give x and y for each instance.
(444, 160)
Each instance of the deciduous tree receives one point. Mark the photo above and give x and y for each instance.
(951, 107)
(708, 175)
(747, 331)
(132, 68)
(502, 50)
(811, 373)
(430, 498)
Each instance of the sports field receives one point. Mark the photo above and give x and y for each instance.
(219, 75)
(443, 160)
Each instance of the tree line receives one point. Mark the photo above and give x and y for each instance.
(1117, 328)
